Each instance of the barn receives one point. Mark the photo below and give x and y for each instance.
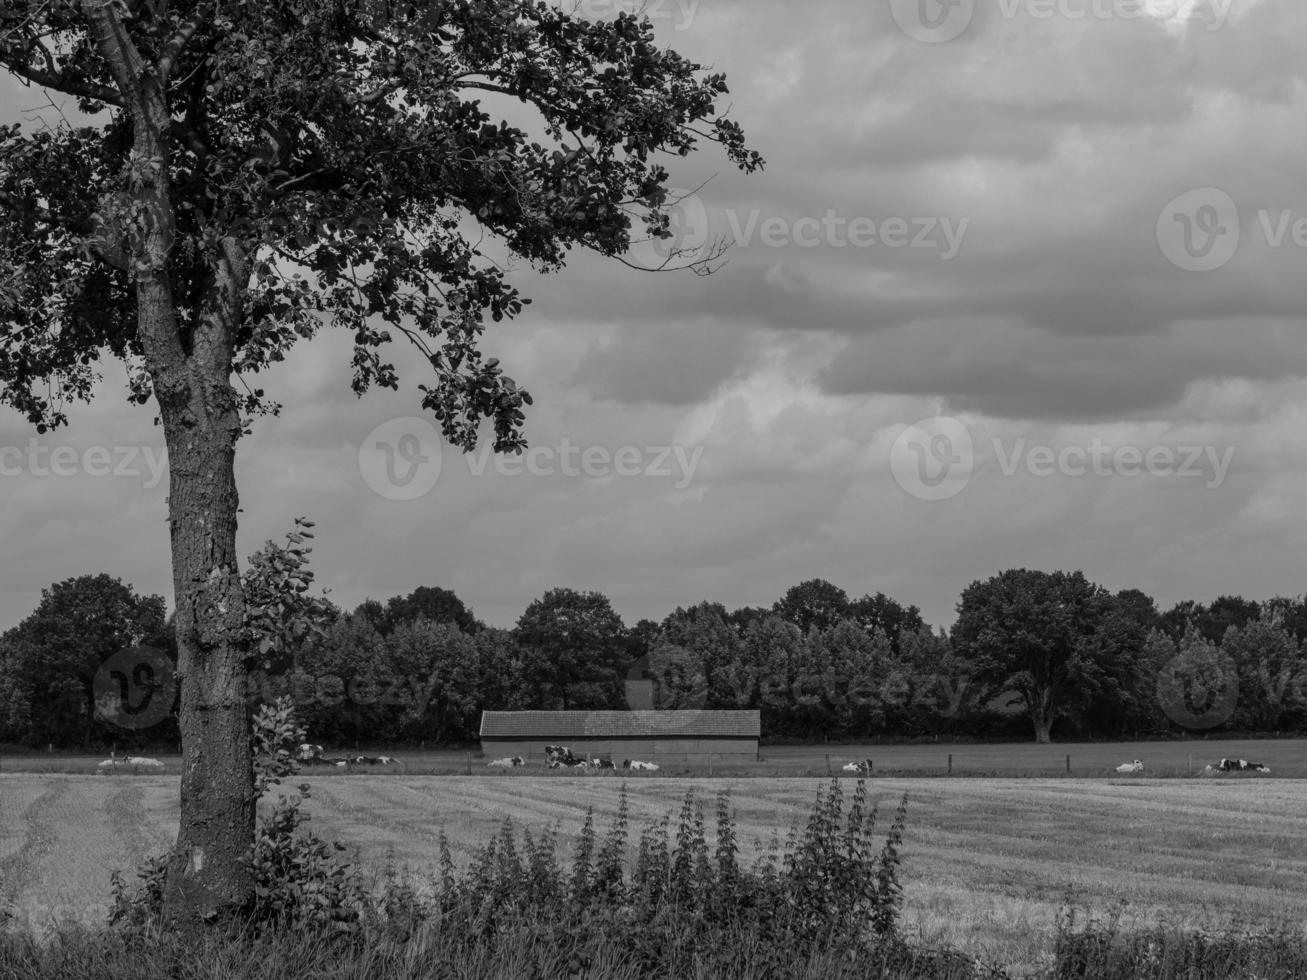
(705, 737)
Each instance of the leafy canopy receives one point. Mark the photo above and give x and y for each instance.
(350, 156)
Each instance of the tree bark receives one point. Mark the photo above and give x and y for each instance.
(206, 873)
(200, 414)
(1041, 711)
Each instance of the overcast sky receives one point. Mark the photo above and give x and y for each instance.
(1022, 285)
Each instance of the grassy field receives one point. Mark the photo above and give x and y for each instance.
(1286, 757)
(988, 862)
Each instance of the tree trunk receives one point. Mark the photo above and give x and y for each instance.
(206, 874)
(1041, 712)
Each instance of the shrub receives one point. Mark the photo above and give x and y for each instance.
(300, 882)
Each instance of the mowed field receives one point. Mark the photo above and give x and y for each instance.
(987, 862)
(1286, 757)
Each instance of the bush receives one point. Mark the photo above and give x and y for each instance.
(833, 889)
(300, 882)
(1099, 950)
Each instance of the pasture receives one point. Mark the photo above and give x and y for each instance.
(987, 862)
(1286, 757)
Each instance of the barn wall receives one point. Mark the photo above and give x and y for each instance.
(683, 750)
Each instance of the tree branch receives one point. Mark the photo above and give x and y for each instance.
(60, 82)
(177, 43)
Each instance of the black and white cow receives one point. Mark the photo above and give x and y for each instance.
(1240, 765)
(308, 752)
(557, 756)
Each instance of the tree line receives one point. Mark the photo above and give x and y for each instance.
(1051, 654)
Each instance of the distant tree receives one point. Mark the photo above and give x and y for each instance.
(814, 604)
(50, 659)
(333, 684)
(1272, 674)
(1122, 696)
(1210, 620)
(744, 617)
(640, 639)
(930, 688)
(374, 614)
(772, 647)
(857, 665)
(880, 612)
(579, 646)
(679, 680)
(705, 631)
(435, 605)
(431, 676)
(502, 682)
(1290, 614)
(1032, 632)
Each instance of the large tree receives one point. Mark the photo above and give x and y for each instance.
(1034, 633)
(240, 175)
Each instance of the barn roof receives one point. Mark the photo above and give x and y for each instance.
(618, 724)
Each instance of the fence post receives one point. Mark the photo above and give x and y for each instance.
(950, 763)
(1068, 763)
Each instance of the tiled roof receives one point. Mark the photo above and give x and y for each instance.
(617, 724)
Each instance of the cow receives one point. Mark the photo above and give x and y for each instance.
(1135, 766)
(604, 764)
(386, 760)
(636, 765)
(863, 766)
(1239, 765)
(559, 755)
(508, 762)
(307, 752)
(136, 762)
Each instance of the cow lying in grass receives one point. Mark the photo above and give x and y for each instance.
(863, 766)
(372, 760)
(135, 762)
(507, 763)
(1135, 766)
(307, 752)
(322, 760)
(638, 766)
(1238, 765)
